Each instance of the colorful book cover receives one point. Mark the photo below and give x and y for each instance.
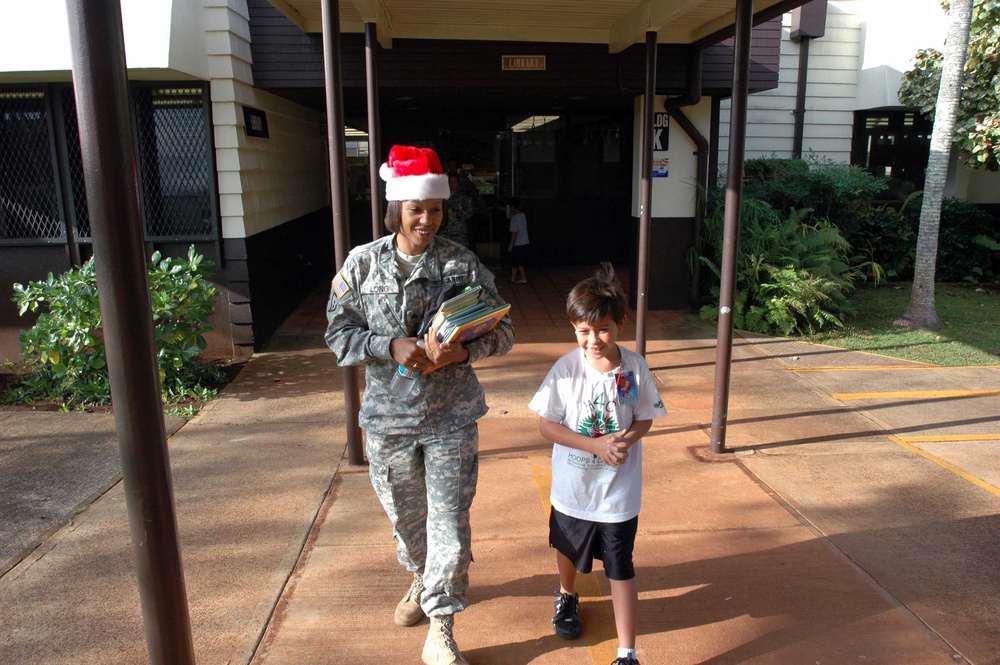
(460, 317)
(471, 328)
(466, 324)
(470, 296)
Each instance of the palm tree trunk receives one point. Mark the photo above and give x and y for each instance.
(921, 312)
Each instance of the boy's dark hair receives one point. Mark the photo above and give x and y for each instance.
(597, 297)
(515, 202)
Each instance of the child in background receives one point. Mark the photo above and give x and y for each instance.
(595, 404)
(518, 246)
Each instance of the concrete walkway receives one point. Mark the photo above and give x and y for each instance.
(855, 520)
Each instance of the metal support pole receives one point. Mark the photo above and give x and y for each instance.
(731, 228)
(713, 141)
(374, 126)
(109, 165)
(338, 200)
(645, 196)
(800, 98)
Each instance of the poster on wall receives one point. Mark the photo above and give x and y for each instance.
(661, 164)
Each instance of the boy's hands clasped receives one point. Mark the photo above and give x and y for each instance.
(612, 448)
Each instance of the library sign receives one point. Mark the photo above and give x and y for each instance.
(523, 63)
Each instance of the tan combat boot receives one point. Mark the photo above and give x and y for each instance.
(408, 611)
(440, 647)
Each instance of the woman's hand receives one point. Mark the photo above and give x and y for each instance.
(409, 352)
(443, 353)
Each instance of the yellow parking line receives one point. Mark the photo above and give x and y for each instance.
(979, 482)
(866, 368)
(587, 586)
(915, 394)
(944, 438)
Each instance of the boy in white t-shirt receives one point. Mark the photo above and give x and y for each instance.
(518, 246)
(595, 404)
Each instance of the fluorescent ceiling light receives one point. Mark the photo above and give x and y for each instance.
(534, 122)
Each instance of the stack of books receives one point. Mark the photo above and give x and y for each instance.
(465, 317)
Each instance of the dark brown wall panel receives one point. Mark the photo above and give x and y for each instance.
(286, 59)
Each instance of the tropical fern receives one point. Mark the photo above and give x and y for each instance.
(793, 272)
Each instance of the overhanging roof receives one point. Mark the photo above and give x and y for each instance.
(617, 23)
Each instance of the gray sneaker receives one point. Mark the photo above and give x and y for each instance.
(408, 611)
(440, 647)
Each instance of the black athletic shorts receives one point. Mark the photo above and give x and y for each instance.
(582, 541)
(518, 255)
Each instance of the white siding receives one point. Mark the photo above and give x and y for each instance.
(830, 94)
(263, 182)
(857, 65)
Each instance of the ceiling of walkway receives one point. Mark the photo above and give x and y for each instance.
(617, 23)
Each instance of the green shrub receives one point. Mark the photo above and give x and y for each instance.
(965, 240)
(792, 275)
(781, 183)
(884, 236)
(831, 190)
(65, 355)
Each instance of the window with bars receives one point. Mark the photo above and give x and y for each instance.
(174, 162)
(894, 144)
(42, 189)
(29, 194)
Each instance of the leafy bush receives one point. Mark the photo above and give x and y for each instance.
(832, 190)
(966, 240)
(66, 358)
(884, 236)
(792, 274)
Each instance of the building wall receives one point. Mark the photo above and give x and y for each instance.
(287, 58)
(271, 189)
(672, 204)
(831, 89)
(672, 195)
(263, 182)
(275, 240)
(857, 65)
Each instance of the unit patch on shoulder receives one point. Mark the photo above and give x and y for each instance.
(340, 287)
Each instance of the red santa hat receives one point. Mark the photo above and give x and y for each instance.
(413, 174)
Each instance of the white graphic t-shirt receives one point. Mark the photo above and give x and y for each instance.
(594, 403)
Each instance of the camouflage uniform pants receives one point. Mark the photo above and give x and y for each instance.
(426, 484)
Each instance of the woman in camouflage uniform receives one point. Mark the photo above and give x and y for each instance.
(422, 442)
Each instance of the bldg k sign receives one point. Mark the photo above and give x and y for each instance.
(661, 131)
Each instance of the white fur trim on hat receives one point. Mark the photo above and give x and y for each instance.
(414, 187)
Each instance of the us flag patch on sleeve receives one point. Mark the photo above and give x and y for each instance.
(340, 287)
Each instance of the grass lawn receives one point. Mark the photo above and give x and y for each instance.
(971, 334)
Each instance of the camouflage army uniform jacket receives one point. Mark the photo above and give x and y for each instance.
(372, 302)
